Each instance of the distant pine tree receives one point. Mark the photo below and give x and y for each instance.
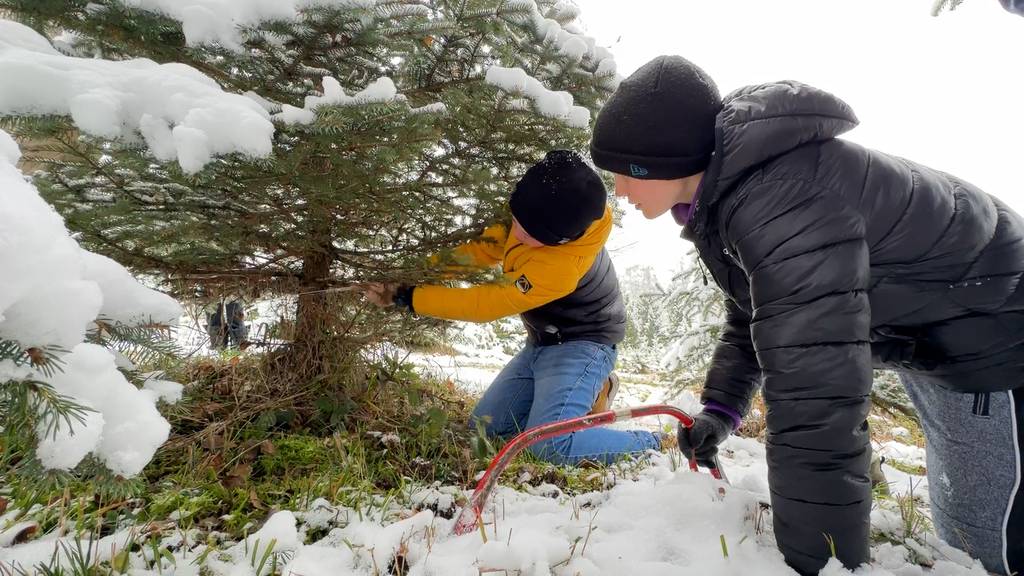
(672, 329)
(675, 330)
(941, 5)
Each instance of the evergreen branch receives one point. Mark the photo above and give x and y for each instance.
(941, 5)
(45, 359)
(31, 406)
(141, 344)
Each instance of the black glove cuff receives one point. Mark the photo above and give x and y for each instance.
(725, 419)
(403, 297)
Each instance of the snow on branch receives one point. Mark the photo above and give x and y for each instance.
(549, 103)
(574, 46)
(567, 39)
(380, 90)
(181, 114)
(219, 21)
(51, 292)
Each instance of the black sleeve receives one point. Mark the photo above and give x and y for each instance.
(734, 374)
(807, 262)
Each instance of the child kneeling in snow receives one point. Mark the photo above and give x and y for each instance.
(559, 278)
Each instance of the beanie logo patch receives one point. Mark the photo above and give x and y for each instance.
(523, 284)
(635, 170)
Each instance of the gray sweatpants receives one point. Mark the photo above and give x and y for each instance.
(974, 446)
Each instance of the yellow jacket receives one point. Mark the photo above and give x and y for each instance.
(532, 276)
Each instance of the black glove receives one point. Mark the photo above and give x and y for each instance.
(403, 297)
(701, 440)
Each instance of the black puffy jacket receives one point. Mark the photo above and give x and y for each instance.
(835, 259)
(1015, 6)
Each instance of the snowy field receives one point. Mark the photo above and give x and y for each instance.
(660, 520)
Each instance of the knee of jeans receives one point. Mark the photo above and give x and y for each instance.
(554, 450)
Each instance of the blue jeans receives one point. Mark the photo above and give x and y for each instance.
(543, 384)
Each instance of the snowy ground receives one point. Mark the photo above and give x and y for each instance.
(654, 520)
(474, 374)
(660, 520)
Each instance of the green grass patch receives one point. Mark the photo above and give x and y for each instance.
(915, 469)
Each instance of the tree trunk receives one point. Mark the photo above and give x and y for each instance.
(313, 316)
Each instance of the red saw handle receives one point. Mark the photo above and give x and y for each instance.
(469, 517)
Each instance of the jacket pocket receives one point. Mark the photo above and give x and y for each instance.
(892, 348)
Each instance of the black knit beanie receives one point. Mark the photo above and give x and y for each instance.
(660, 122)
(558, 198)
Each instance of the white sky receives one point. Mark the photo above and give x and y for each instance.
(945, 91)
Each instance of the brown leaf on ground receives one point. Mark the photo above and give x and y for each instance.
(238, 476)
(254, 499)
(25, 533)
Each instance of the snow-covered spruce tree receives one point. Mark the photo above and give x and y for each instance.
(377, 132)
(672, 329)
(691, 313)
(642, 295)
(681, 326)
